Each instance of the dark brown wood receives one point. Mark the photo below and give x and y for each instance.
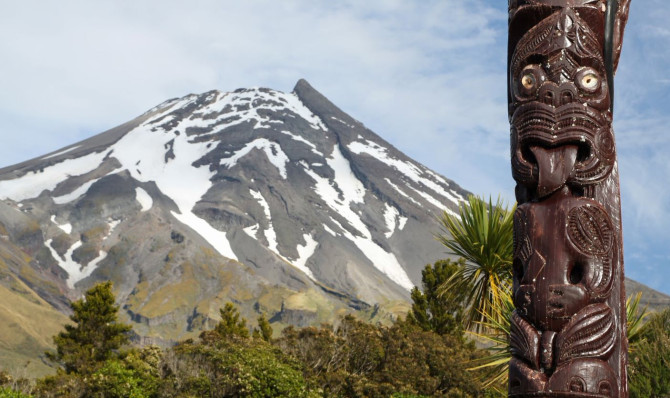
(568, 332)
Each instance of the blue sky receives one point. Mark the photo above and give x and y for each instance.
(428, 76)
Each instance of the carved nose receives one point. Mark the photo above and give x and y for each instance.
(555, 96)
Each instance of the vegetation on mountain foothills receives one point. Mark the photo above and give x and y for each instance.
(433, 311)
(96, 334)
(350, 359)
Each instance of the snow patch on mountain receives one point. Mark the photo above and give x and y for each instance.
(251, 231)
(142, 153)
(382, 260)
(270, 233)
(63, 152)
(346, 190)
(343, 122)
(304, 253)
(67, 227)
(351, 187)
(162, 105)
(112, 224)
(412, 171)
(74, 270)
(143, 198)
(66, 262)
(272, 150)
(390, 216)
(345, 185)
(33, 183)
(433, 201)
(304, 141)
(401, 222)
(247, 104)
(400, 191)
(330, 231)
(213, 236)
(69, 197)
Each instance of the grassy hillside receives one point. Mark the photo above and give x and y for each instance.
(27, 324)
(652, 299)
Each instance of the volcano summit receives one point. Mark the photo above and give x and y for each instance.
(277, 201)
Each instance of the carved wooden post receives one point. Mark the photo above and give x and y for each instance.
(568, 333)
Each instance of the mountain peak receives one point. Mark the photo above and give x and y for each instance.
(302, 84)
(285, 189)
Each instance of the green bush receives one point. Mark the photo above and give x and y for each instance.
(242, 368)
(649, 363)
(6, 392)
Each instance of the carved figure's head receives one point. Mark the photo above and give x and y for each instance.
(566, 263)
(559, 94)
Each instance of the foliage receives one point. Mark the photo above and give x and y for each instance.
(482, 234)
(231, 324)
(425, 363)
(65, 385)
(649, 363)
(249, 368)
(495, 365)
(353, 359)
(441, 313)
(362, 360)
(137, 375)
(95, 336)
(635, 320)
(13, 387)
(6, 392)
(264, 330)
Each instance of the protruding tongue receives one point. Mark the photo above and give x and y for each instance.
(554, 166)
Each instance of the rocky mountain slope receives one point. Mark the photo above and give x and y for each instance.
(279, 202)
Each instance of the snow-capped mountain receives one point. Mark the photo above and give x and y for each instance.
(278, 201)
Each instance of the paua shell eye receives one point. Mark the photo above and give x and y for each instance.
(530, 79)
(588, 80)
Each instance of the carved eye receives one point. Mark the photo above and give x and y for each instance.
(605, 388)
(588, 80)
(530, 79)
(577, 384)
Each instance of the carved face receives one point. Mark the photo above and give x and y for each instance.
(566, 263)
(559, 104)
(592, 377)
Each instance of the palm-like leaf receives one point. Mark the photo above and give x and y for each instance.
(483, 236)
(497, 329)
(635, 320)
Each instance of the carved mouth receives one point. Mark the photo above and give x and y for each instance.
(537, 125)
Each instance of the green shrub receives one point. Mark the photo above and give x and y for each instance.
(244, 368)
(6, 392)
